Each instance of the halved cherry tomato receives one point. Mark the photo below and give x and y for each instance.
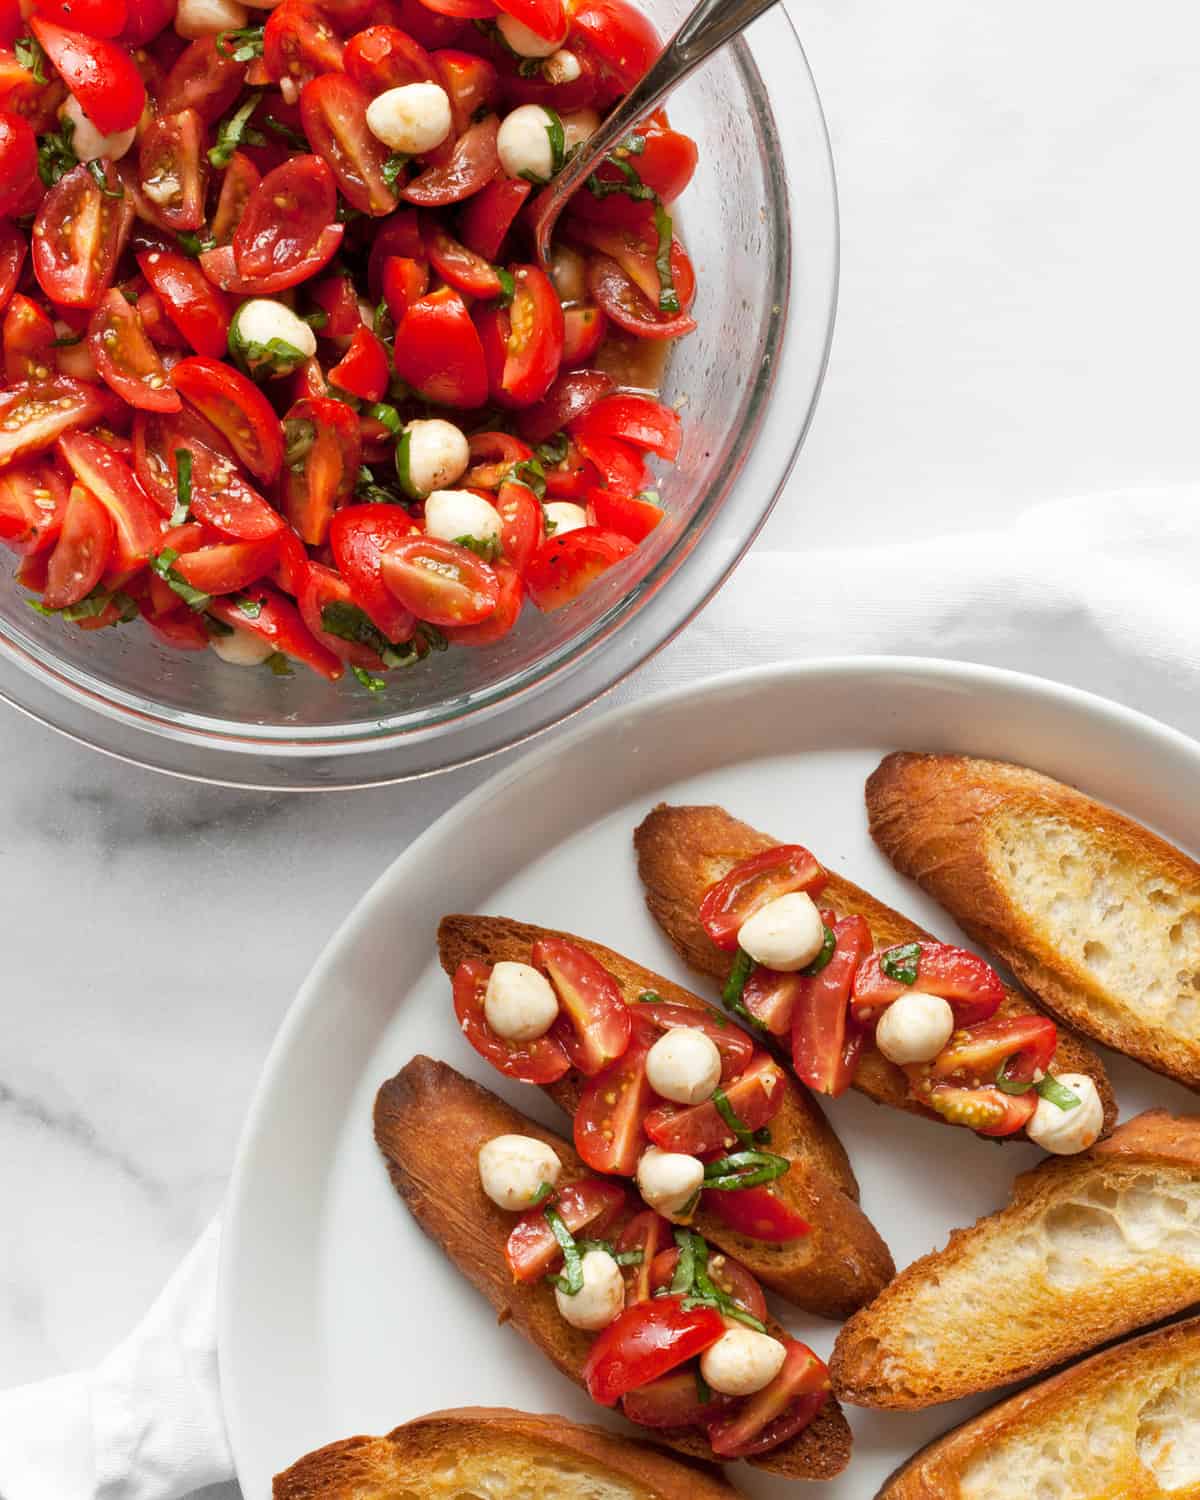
(731, 901)
(78, 236)
(285, 217)
(147, 20)
(756, 1097)
(1019, 1046)
(18, 162)
(229, 566)
(608, 1118)
(584, 329)
(647, 1233)
(666, 164)
(438, 351)
(503, 618)
(428, 27)
(462, 10)
(359, 536)
(363, 369)
(564, 566)
(568, 398)
(545, 18)
(404, 281)
(646, 1341)
(323, 453)
(621, 466)
(621, 39)
(522, 525)
(21, 94)
(629, 307)
(634, 419)
(985, 1110)
(33, 416)
(194, 306)
(672, 1401)
(325, 595)
(220, 267)
(336, 297)
(12, 259)
(110, 479)
(28, 342)
(204, 79)
(628, 515)
(826, 1042)
(33, 499)
(398, 234)
(334, 111)
(299, 43)
(473, 87)
(493, 456)
(125, 358)
(594, 1025)
(159, 329)
(778, 1412)
(523, 343)
(736, 1048)
(81, 554)
(491, 213)
(241, 178)
(101, 75)
(237, 409)
(730, 1276)
(472, 164)
(278, 621)
(591, 1203)
(758, 1213)
(384, 57)
(173, 170)
(972, 987)
(440, 581)
(454, 263)
(105, 18)
(182, 630)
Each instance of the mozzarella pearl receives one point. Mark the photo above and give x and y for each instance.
(87, 142)
(412, 119)
(561, 67)
(197, 18)
(786, 934)
(600, 1300)
(456, 513)
(914, 1028)
(523, 41)
(519, 1003)
(742, 1361)
(562, 516)
(263, 319)
(524, 143)
(438, 454)
(669, 1181)
(684, 1066)
(242, 649)
(514, 1168)
(579, 127)
(1064, 1132)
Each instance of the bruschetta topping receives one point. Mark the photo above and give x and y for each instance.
(1063, 1127)
(684, 1066)
(914, 1028)
(519, 1003)
(599, 1299)
(786, 934)
(742, 1362)
(517, 1172)
(670, 1182)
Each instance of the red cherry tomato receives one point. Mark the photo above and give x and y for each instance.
(608, 1118)
(359, 536)
(285, 217)
(105, 18)
(299, 43)
(672, 1401)
(502, 620)
(454, 263)
(203, 79)
(79, 233)
(441, 582)
(111, 480)
(334, 111)
(438, 351)
(18, 162)
(384, 57)
(593, 1203)
(972, 987)
(473, 86)
(758, 1213)
(564, 566)
(404, 281)
(21, 94)
(986, 1110)
(625, 514)
(546, 18)
(777, 1413)
(825, 1042)
(540, 1061)
(667, 165)
(568, 398)
(324, 597)
(241, 178)
(523, 343)
(12, 259)
(646, 1341)
(237, 409)
(462, 10)
(363, 369)
(736, 1048)
(28, 342)
(337, 299)
(493, 455)
(323, 449)
(1020, 1047)
(220, 267)
(148, 19)
(730, 1275)
(621, 39)
(33, 416)
(194, 306)
(278, 621)
(126, 360)
(621, 466)
(639, 420)
(229, 566)
(594, 1025)
(522, 524)
(730, 902)
(584, 329)
(33, 499)
(398, 234)
(755, 1098)
(425, 25)
(173, 170)
(101, 75)
(472, 164)
(491, 213)
(647, 1233)
(82, 551)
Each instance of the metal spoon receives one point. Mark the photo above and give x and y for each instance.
(710, 25)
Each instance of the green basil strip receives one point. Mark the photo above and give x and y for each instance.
(545, 1191)
(738, 1126)
(738, 975)
(903, 964)
(100, 178)
(372, 684)
(558, 142)
(744, 1169)
(508, 286)
(1058, 1093)
(241, 46)
(387, 416)
(31, 57)
(1008, 1085)
(828, 949)
(668, 297)
(684, 1278)
(703, 1392)
(704, 1290)
(349, 623)
(234, 132)
(183, 487)
(572, 1260)
(161, 564)
(279, 665)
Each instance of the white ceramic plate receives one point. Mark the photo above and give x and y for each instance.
(336, 1315)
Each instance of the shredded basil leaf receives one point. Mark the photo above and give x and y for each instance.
(558, 141)
(371, 492)
(316, 320)
(56, 154)
(251, 608)
(382, 325)
(279, 665)
(67, 341)
(1058, 1093)
(183, 487)
(508, 286)
(572, 1283)
(703, 1390)
(553, 451)
(530, 473)
(349, 623)
(902, 964)
(545, 1191)
(743, 965)
(386, 416)
(32, 58)
(629, 183)
(727, 1112)
(744, 1169)
(285, 132)
(393, 169)
(193, 244)
(100, 178)
(90, 607)
(299, 435)
(668, 297)
(241, 46)
(234, 131)
(828, 948)
(192, 597)
(697, 1286)
(488, 548)
(432, 636)
(372, 684)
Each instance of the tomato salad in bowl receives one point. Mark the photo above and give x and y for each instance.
(282, 377)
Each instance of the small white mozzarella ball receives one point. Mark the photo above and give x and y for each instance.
(914, 1028)
(600, 1300)
(563, 516)
(1063, 1132)
(242, 649)
(519, 1002)
(197, 18)
(524, 143)
(561, 67)
(514, 1168)
(786, 934)
(412, 119)
(87, 142)
(262, 319)
(579, 127)
(742, 1361)
(669, 1181)
(684, 1066)
(438, 454)
(452, 514)
(523, 41)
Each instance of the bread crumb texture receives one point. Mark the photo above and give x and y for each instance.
(479, 1477)
(1128, 931)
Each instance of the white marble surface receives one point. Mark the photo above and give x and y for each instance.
(1018, 320)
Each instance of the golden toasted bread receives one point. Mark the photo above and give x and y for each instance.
(1123, 1425)
(682, 850)
(836, 1268)
(1097, 916)
(1090, 1248)
(492, 1453)
(428, 1105)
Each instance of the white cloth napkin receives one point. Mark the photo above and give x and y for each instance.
(1094, 591)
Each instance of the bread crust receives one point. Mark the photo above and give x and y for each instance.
(934, 816)
(371, 1468)
(1020, 1323)
(681, 851)
(843, 1263)
(1130, 1373)
(428, 1104)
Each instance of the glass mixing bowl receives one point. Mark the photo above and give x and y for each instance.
(760, 221)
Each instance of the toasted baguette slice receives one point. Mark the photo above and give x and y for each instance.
(1090, 1248)
(683, 850)
(428, 1105)
(837, 1268)
(1098, 917)
(493, 1453)
(1123, 1425)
